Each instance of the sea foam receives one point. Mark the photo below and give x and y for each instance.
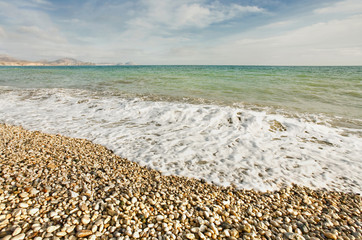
(224, 145)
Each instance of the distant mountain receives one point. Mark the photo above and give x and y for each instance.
(69, 62)
(129, 63)
(5, 58)
(10, 61)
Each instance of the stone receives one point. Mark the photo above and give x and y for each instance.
(17, 212)
(24, 195)
(33, 211)
(18, 237)
(51, 229)
(61, 234)
(16, 231)
(330, 235)
(84, 233)
(190, 236)
(23, 205)
(73, 194)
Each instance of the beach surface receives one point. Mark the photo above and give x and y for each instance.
(56, 187)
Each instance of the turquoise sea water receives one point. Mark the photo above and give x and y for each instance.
(335, 91)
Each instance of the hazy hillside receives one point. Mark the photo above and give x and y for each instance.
(10, 61)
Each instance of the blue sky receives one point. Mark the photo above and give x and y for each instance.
(242, 32)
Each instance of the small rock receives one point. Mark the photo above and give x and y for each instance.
(70, 229)
(23, 205)
(92, 237)
(73, 194)
(17, 212)
(16, 231)
(2, 206)
(330, 235)
(234, 232)
(19, 237)
(52, 229)
(84, 233)
(24, 195)
(190, 236)
(85, 219)
(83, 206)
(247, 228)
(136, 235)
(33, 211)
(61, 234)
(51, 166)
(34, 192)
(53, 214)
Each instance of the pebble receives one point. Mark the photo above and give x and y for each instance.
(85, 219)
(84, 233)
(88, 192)
(61, 234)
(33, 211)
(190, 236)
(18, 237)
(330, 235)
(73, 194)
(17, 212)
(23, 205)
(51, 229)
(16, 231)
(24, 195)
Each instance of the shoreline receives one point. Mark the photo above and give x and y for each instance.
(56, 187)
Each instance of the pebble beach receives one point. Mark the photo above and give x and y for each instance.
(56, 187)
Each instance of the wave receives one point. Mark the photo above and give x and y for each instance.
(252, 149)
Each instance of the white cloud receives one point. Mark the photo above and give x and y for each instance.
(187, 14)
(346, 6)
(30, 32)
(42, 2)
(2, 33)
(336, 42)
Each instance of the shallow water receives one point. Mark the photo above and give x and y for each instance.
(255, 127)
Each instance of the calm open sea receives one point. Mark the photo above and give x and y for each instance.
(257, 127)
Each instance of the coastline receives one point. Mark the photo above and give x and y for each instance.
(59, 187)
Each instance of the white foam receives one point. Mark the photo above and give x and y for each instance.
(219, 144)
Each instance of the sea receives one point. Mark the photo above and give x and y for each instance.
(252, 127)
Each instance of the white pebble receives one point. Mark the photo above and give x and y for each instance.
(33, 211)
(85, 220)
(23, 205)
(19, 237)
(16, 231)
(52, 229)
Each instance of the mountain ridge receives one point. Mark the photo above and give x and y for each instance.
(6, 60)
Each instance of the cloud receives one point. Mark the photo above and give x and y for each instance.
(187, 14)
(335, 42)
(2, 33)
(30, 31)
(346, 6)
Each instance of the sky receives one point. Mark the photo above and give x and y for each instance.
(216, 32)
